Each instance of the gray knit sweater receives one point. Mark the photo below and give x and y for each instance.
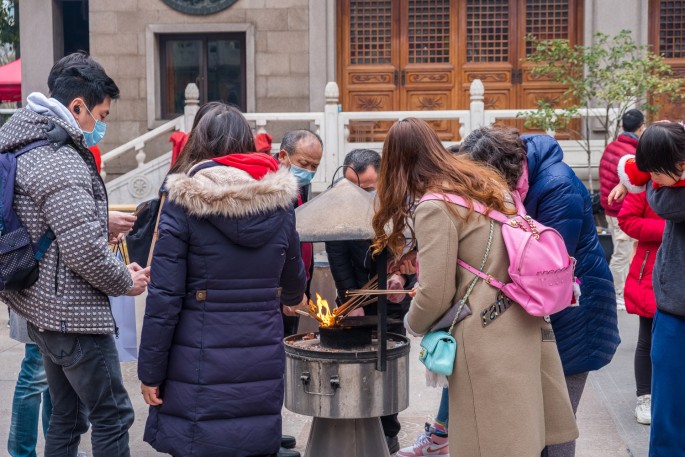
(58, 186)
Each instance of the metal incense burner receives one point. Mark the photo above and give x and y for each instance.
(345, 393)
(343, 377)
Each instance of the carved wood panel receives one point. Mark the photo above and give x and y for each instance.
(440, 47)
(667, 37)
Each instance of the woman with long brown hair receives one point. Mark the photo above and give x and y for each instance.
(507, 390)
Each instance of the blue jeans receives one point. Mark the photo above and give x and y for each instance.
(85, 382)
(31, 387)
(668, 377)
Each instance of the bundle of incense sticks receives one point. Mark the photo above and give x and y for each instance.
(357, 301)
(344, 310)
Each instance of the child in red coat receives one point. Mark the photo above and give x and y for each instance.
(640, 222)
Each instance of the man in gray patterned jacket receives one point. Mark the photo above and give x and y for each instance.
(67, 309)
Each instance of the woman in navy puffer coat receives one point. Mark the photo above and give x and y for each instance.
(211, 357)
(586, 335)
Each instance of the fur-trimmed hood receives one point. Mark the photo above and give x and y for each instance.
(245, 209)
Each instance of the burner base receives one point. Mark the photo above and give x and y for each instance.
(348, 437)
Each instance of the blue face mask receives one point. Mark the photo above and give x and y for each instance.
(97, 134)
(303, 176)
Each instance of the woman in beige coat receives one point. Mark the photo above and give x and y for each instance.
(507, 392)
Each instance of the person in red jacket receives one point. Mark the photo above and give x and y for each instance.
(640, 222)
(633, 123)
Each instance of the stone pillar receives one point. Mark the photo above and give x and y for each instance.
(192, 95)
(42, 42)
(334, 152)
(477, 108)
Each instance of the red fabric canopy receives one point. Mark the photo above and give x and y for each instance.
(10, 82)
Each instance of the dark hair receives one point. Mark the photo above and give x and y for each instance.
(455, 149)
(661, 148)
(75, 58)
(632, 120)
(500, 147)
(222, 130)
(86, 80)
(292, 139)
(360, 159)
(414, 162)
(204, 109)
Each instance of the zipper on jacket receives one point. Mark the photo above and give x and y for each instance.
(642, 267)
(57, 273)
(116, 327)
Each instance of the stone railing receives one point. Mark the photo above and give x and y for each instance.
(334, 127)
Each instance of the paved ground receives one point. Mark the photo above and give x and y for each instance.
(605, 416)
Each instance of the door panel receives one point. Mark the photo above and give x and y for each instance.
(667, 37)
(424, 54)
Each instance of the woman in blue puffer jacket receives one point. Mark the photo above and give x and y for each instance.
(211, 358)
(587, 335)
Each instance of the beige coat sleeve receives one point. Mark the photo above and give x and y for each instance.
(438, 241)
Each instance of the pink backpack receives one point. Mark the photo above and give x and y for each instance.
(541, 270)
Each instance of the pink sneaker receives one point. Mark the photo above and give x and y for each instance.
(428, 443)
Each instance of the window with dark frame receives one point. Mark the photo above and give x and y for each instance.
(215, 62)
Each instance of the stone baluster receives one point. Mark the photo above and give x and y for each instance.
(261, 125)
(334, 149)
(103, 173)
(140, 154)
(477, 106)
(192, 105)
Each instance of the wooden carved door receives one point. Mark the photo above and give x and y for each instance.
(667, 37)
(396, 55)
(495, 35)
(424, 55)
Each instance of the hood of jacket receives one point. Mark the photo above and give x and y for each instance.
(27, 126)
(248, 211)
(542, 151)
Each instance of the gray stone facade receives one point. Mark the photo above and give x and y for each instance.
(120, 40)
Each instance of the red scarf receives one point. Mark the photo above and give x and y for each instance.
(257, 164)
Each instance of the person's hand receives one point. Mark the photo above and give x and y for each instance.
(151, 395)
(406, 264)
(617, 194)
(119, 222)
(356, 312)
(408, 267)
(115, 237)
(412, 293)
(396, 282)
(292, 310)
(141, 278)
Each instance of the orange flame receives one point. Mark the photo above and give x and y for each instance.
(322, 311)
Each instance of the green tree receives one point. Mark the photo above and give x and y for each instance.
(613, 73)
(9, 31)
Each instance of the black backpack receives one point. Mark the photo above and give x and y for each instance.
(19, 257)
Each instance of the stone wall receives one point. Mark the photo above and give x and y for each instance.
(118, 41)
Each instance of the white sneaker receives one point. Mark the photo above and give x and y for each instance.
(643, 410)
(427, 444)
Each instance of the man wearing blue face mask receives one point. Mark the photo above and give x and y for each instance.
(301, 152)
(69, 317)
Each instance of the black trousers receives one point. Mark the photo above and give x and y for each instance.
(643, 359)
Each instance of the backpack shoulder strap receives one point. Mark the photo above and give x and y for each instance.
(495, 215)
(30, 146)
(478, 207)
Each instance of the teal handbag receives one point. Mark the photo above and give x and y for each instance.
(439, 348)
